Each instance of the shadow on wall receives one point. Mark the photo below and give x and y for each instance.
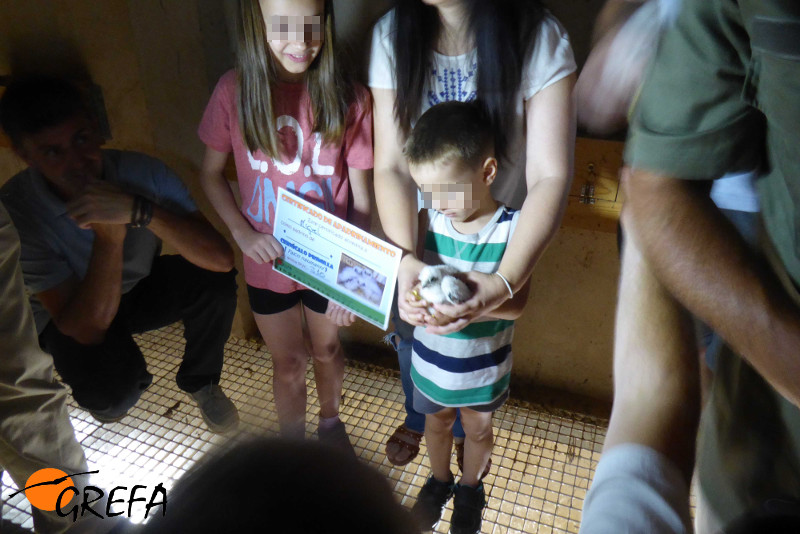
(54, 55)
(58, 57)
(36, 54)
(354, 21)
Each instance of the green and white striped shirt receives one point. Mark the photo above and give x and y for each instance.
(473, 366)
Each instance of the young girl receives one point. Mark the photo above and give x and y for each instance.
(293, 121)
(516, 59)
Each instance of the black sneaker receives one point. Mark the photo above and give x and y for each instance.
(430, 502)
(468, 504)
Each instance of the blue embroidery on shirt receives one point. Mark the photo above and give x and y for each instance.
(453, 84)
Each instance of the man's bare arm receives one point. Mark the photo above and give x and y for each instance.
(84, 309)
(698, 255)
(656, 375)
(191, 235)
(194, 238)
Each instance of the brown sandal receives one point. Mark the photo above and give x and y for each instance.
(460, 460)
(406, 445)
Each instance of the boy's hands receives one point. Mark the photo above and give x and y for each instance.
(446, 318)
(262, 248)
(409, 307)
(424, 313)
(488, 294)
(338, 315)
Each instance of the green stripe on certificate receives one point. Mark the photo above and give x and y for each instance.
(329, 292)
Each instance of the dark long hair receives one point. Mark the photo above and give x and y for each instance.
(504, 31)
(329, 89)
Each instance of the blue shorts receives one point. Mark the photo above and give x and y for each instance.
(423, 404)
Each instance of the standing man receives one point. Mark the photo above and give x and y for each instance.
(35, 430)
(91, 223)
(722, 95)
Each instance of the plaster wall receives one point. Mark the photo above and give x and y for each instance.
(81, 39)
(157, 62)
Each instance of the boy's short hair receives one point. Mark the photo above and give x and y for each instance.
(451, 130)
(31, 104)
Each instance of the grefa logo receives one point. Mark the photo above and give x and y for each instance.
(52, 489)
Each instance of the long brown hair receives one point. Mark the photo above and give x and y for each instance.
(256, 75)
(504, 29)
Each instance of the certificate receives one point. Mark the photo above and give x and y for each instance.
(338, 260)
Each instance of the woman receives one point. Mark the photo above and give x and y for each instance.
(515, 58)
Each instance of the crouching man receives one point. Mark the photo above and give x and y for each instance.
(91, 223)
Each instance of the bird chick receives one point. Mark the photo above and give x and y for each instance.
(439, 285)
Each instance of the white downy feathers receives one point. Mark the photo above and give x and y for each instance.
(439, 285)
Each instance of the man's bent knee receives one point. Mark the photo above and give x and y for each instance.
(114, 399)
(221, 287)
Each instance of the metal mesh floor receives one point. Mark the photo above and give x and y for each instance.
(543, 460)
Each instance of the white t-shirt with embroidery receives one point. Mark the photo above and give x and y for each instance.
(455, 78)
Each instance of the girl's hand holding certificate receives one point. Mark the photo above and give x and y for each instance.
(262, 248)
(339, 316)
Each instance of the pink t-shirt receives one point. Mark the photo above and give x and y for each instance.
(316, 172)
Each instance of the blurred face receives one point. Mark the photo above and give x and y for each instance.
(295, 33)
(453, 188)
(68, 155)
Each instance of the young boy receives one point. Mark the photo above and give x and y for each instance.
(451, 158)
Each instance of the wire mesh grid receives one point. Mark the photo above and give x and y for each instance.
(543, 459)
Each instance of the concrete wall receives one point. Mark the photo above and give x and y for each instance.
(157, 61)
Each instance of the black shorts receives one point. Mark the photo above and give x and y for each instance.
(266, 302)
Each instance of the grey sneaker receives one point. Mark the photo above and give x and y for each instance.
(101, 416)
(219, 413)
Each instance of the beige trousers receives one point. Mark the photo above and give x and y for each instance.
(35, 430)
